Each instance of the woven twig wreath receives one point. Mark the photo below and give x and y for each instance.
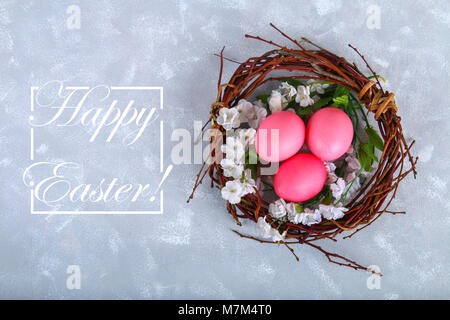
(319, 64)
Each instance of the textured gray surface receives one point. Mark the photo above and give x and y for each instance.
(189, 251)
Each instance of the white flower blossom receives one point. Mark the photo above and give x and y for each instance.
(330, 166)
(266, 231)
(234, 150)
(232, 191)
(259, 104)
(354, 188)
(338, 188)
(352, 163)
(331, 175)
(318, 87)
(310, 217)
(351, 189)
(287, 91)
(228, 118)
(242, 107)
(296, 218)
(246, 136)
(290, 209)
(351, 171)
(293, 215)
(276, 101)
(277, 209)
(255, 115)
(367, 174)
(276, 236)
(331, 212)
(248, 184)
(231, 169)
(303, 97)
(331, 178)
(350, 176)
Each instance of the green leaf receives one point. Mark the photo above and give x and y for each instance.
(299, 208)
(375, 138)
(328, 197)
(322, 102)
(378, 76)
(341, 91)
(304, 111)
(342, 100)
(263, 97)
(292, 104)
(369, 149)
(316, 199)
(364, 159)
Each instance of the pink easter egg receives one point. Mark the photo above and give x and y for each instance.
(280, 136)
(329, 133)
(300, 178)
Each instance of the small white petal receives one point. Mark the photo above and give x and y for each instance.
(338, 188)
(277, 209)
(232, 191)
(310, 217)
(263, 228)
(228, 118)
(276, 101)
(332, 213)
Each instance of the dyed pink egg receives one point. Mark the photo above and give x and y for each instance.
(280, 136)
(329, 133)
(300, 178)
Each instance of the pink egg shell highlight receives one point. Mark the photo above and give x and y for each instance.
(291, 136)
(329, 133)
(300, 178)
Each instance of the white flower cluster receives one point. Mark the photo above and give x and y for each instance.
(236, 146)
(281, 97)
(255, 113)
(233, 166)
(244, 111)
(350, 184)
(266, 231)
(296, 214)
(234, 190)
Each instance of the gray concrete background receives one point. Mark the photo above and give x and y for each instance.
(189, 251)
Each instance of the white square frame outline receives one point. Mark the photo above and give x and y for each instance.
(161, 157)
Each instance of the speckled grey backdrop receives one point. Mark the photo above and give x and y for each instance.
(189, 251)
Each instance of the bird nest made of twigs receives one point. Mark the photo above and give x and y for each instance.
(310, 62)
